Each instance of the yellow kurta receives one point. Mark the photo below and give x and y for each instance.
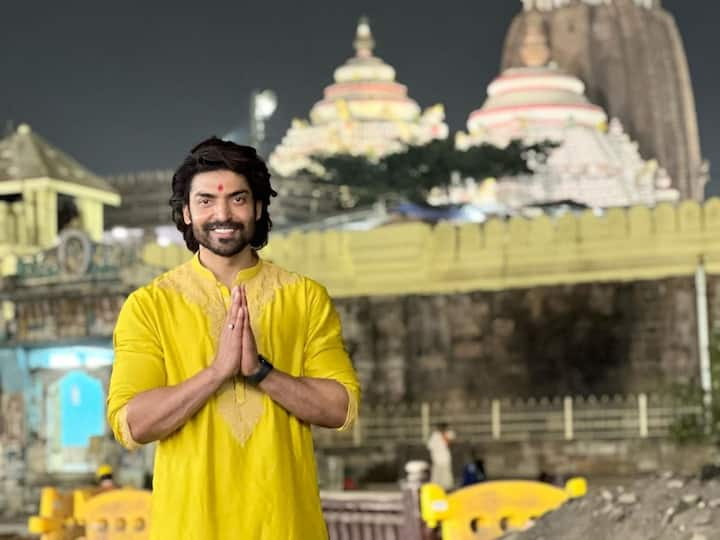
(242, 467)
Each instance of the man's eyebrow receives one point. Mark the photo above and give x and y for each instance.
(203, 195)
(239, 192)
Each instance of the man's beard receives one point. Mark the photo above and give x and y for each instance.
(225, 247)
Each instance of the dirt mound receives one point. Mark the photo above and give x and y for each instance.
(664, 507)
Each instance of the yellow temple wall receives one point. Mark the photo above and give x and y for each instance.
(45, 205)
(638, 243)
(15, 223)
(91, 214)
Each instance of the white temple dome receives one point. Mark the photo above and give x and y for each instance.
(364, 112)
(538, 100)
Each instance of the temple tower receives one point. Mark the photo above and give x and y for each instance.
(630, 55)
(596, 163)
(364, 112)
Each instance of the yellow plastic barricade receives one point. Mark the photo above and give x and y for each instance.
(487, 510)
(120, 514)
(85, 514)
(55, 520)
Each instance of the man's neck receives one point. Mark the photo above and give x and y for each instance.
(226, 268)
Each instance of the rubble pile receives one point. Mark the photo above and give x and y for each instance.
(663, 507)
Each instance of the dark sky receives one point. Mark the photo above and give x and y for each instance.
(130, 86)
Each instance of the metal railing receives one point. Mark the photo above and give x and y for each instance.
(559, 418)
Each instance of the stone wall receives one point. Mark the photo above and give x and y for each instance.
(561, 340)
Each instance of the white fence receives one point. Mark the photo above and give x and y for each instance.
(568, 418)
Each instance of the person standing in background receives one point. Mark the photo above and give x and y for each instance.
(440, 455)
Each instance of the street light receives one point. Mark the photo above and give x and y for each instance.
(262, 106)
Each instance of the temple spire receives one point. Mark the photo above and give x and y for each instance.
(535, 51)
(364, 42)
(365, 112)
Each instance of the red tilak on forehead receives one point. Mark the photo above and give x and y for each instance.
(220, 187)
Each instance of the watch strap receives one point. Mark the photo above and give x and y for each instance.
(265, 368)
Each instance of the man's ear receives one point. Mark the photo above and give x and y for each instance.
(186, 215)
(258, 210)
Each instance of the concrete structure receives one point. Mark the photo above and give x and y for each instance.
(365, 113)
(629, 54)
(145, 196)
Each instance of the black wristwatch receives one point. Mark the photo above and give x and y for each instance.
(265, 368)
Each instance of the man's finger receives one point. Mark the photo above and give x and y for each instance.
(240, 322)
(243, 294)
(234, 306)
(241, 308)
(246, 322)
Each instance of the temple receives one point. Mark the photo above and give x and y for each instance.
(366, 112)
(617, 301)
(630, 55)
(596, 164)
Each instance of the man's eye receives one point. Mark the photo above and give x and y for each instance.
(204, 202)
(240, 199)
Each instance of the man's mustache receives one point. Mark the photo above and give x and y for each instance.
(211, 226)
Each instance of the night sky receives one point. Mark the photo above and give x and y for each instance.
(130, 87)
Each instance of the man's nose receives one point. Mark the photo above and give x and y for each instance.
(222, 210)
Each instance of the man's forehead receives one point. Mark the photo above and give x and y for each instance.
(219, 181)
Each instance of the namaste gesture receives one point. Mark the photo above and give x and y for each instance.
(237, 352)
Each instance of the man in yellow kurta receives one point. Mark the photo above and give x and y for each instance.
(227, 360)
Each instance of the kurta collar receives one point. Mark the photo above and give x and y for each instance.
(242, 276)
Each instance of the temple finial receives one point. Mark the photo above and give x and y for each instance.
(535, 51)
(364, 42)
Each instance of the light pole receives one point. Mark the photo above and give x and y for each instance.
(262, 106)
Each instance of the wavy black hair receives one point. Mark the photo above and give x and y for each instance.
(215, 154)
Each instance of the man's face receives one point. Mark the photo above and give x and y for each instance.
(222, 212)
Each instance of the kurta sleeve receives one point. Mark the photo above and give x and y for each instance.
(325, 354)
(138, 365)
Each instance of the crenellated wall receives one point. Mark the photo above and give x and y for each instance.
(414, 258)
